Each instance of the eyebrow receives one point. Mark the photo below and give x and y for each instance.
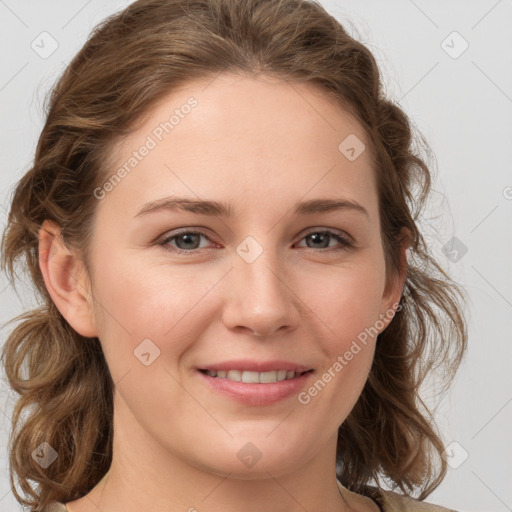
(219, 209)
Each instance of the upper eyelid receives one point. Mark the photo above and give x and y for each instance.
(201, 231)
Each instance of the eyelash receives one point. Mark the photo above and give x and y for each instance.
(346, 244)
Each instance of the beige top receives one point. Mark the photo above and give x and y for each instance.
(388, 501)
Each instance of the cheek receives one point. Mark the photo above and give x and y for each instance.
(137, 301)
(338, 383)
(347, 299)
(347, 303)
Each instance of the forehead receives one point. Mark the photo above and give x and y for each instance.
(235, 136)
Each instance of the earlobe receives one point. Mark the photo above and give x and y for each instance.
(66, 281)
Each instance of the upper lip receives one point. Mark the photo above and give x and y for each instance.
(256, 366)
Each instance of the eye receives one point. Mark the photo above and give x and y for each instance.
(186, 242)
(325, 236)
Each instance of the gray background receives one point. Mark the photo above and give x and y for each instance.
(460, 100)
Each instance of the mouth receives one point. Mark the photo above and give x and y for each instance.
(251, 377)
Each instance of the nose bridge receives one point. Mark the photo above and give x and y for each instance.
(263, 299)
(259, 270)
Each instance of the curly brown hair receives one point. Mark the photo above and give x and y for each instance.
(130, 61)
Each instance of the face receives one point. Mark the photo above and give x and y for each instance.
(178, 290)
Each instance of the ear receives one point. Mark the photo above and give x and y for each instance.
(66, 280)
(395, 284)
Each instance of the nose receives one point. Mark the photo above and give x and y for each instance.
(262, 298)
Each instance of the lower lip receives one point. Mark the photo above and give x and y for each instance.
(257, 393)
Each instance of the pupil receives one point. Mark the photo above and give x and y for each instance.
(187, 237)
(316, 235)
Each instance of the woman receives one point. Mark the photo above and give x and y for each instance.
(277, 364)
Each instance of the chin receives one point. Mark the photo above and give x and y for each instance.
(253, 461)
(259, 471)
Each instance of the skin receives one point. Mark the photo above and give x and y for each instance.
(260, 145)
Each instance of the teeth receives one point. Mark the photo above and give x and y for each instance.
(253, 377)
(234, 375)
(250, 377)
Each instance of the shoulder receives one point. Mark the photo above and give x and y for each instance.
(390, 501)
(394, 502)
(55, 507)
